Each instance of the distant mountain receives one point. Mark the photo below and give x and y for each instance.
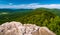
(54, 11)
(14, 10)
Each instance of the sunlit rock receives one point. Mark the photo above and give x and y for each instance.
(17, 28)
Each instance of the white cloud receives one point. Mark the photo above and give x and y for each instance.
(31, 6)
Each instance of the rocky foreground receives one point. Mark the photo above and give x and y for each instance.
(17, 28)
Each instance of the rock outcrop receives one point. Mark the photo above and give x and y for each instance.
(16, 28)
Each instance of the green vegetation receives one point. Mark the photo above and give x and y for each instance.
(41, 17)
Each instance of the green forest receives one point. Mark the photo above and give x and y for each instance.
(40, 16)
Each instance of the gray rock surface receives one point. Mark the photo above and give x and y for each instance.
(17, 28)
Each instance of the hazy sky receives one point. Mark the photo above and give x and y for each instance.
(29, 3)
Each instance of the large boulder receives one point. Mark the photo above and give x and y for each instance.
(17, 28)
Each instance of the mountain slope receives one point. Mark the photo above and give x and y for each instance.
(37, 16)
